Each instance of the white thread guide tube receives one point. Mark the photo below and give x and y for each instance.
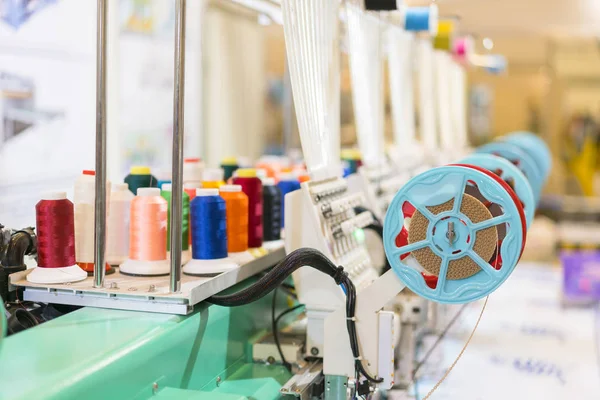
(427, 107)
(311, 29)
(443, 76)
(400, 57)
(365, 36)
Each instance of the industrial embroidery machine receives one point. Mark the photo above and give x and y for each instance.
(451, 234)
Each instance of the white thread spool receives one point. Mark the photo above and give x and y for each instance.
(84, 203)
(192, 170)
(117, 224)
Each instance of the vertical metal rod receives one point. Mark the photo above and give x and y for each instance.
(100, 201)
(178, 125)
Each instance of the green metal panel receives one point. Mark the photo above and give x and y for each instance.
(182, 394)
(336, 387)
(111, 354)
(257, 381)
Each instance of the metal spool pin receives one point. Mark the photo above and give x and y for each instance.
(441, 241)
(100, 200)
(178, 124)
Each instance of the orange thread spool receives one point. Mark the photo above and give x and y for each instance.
(236, 203)
(148, 229)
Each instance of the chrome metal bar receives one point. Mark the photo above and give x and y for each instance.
(178, 125)
(100, 202)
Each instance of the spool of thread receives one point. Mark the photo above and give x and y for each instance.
(445, 34)
(55, 225)
(117, 224)
(147, 235)
(84, 204)
(252, 187)
(192, 170)
(236, 204)
(229, 165)
(421, 19)
(162, 177)
(303, 178)
(185, 216)
(190, 189)
(213, 178)
(271, 214)
(161, 183)
(209, 235)
(463, 47)
(261, 173)
(140, 177)
(287, 184)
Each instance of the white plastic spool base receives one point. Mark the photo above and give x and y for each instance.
(242, 257)
(146, 268)
(272, 245)
(57, 275)
(209, 267)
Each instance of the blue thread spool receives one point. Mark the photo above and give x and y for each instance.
(209, 235)
(420, 19)
(437, 197)
(287, 184)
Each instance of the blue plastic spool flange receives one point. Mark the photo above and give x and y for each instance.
(509, 172)
(437, 186)
(421, 19)
(526, 164)
(535, 146)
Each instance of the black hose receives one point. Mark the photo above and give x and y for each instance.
(297, 259)
(21, 243)
(269, 282)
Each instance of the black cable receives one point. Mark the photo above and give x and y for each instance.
(296, 259)
(351, 325)
(272, 279)
(276, 332)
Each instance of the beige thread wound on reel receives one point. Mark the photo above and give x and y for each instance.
(485, 241)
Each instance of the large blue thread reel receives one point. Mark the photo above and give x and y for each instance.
(522, 160)
(511, 175)
(535, 147)
(454, 234)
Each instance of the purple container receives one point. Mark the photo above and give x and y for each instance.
(581, 274)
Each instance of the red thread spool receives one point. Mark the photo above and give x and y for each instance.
(252, 187)
(55, 224)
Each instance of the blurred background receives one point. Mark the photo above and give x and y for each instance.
(238, 99)
(238, 102)
(236, 60)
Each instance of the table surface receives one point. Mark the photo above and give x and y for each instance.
(527, 345)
